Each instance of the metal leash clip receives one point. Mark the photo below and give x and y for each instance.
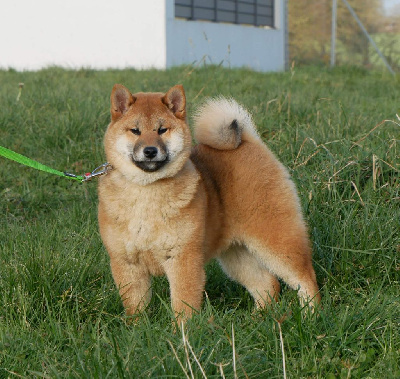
(101, 170)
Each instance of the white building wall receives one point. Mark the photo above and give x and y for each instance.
(82, 33)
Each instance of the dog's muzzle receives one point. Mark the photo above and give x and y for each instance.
(151, 161)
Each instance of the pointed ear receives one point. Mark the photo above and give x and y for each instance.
(175, 100)
(121, 100)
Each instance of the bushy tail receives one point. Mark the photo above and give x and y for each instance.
(223, 124)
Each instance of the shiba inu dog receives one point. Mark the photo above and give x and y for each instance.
(167, 207)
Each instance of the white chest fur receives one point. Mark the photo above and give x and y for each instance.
(151, 217)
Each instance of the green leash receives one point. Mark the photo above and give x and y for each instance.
(12, 155)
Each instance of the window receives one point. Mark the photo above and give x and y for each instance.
(251, 12)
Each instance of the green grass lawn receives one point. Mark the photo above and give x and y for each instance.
(60, 313)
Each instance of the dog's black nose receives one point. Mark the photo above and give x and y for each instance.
(150, 152)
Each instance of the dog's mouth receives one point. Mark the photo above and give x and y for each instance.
(149, 165)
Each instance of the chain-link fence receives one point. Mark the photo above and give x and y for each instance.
(310, 33)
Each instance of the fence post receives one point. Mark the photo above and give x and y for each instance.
(285, 9)
(333, 34)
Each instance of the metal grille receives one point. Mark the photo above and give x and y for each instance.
(251, 12)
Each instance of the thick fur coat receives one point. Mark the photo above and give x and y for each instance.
(167, 207)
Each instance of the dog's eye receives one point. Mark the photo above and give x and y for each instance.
(136, 131)
(162, 130)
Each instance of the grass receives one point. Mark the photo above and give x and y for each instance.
(60, 313)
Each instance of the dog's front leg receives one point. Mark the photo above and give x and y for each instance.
(186, 276)
(134, 283)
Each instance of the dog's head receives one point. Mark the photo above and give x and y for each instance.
(148, 138)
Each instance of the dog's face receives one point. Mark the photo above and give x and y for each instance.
(147, 138)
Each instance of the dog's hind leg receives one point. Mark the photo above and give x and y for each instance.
(242, 266)
(289, 259)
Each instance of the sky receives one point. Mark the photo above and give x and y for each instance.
(391, 2)
(388, 4)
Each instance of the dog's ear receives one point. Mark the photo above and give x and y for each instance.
(175, 100)
(121, 100)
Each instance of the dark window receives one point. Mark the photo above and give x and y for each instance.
(253, 12)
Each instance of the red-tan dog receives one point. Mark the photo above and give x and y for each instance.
(168, 208)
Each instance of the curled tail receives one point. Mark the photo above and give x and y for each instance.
(223, 124)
